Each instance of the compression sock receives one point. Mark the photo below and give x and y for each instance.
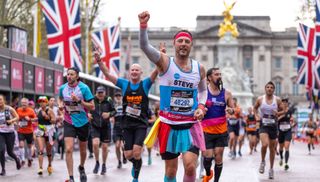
(207, 162)
(217, 171)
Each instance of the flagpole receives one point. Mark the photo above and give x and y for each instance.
(119, 23)
(87, 39)
(35, 29)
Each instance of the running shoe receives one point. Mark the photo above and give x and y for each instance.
(18, 164)
(50, 170)
(119, 165)
(3, 172)
(234, 155)
(124, 160)
(281, 162)
(90, 156)
(261, 168)
(103, 169)
(135, 180)
(40, 171)
(271, 175)
(207, 178)
(96, 168)
(286, 167)
(23, 163)
(29, 162)
(230, 154)
(69, 180)
(83, 176)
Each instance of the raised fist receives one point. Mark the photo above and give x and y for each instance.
(144, 17)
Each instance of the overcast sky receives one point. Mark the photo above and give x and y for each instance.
(183, 13)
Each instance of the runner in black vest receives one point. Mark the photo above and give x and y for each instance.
(285, 124)
(117, 131)
(135, 107)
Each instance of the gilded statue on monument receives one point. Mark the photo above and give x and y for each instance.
(227, 25)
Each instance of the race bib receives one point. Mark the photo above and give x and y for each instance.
(23, 123)
(268, 121)
(310, 130)
(73, 107)
(285, 126)
(39, 133)
(118, 111)
(181, 100)
(133, 111)
(233, 121)
(251, 126)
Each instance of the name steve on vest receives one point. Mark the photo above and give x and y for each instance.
(183, 83)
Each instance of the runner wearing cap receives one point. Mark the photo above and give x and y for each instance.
(101, 127)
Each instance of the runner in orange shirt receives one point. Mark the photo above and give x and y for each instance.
(251, 129)
(25, 130)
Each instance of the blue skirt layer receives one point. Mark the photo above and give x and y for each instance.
(179, 141)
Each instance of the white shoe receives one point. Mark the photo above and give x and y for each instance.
(261, 168)
(271, 175)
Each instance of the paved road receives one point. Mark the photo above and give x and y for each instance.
(303, 167)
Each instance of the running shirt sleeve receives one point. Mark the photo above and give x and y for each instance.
(123, 84)
(147, 83)
(87, 95)
(61, 91)
(32, 114)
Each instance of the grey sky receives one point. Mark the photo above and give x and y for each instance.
(183, 13)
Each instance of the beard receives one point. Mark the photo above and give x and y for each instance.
(218, 84)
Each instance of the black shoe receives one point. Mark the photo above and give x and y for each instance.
(3, 172)
(96, 168)
(90, 156)
(83, 176)
(103, 169)
(286, 167)
(240, 154)
(119, 165)
(18, 164)
(124, 161)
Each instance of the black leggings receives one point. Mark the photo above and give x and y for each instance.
(7, 141)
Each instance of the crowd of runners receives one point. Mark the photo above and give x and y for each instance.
(197, 119)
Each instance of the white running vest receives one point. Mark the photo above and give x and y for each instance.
(178, 93)
(267, 111)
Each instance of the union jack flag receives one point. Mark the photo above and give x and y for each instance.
(317, 37)
(107, 42)
(306, 52)
(63, 31)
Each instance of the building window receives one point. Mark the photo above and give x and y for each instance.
(295, 89)
(277, 62)
(295, 62)
(278, 88)
(247, 64)
(247, 57)
(135, 59)
(215, 55)
(261, 58)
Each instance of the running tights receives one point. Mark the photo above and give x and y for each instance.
(7, 141)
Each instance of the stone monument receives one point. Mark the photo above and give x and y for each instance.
(234, 78)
